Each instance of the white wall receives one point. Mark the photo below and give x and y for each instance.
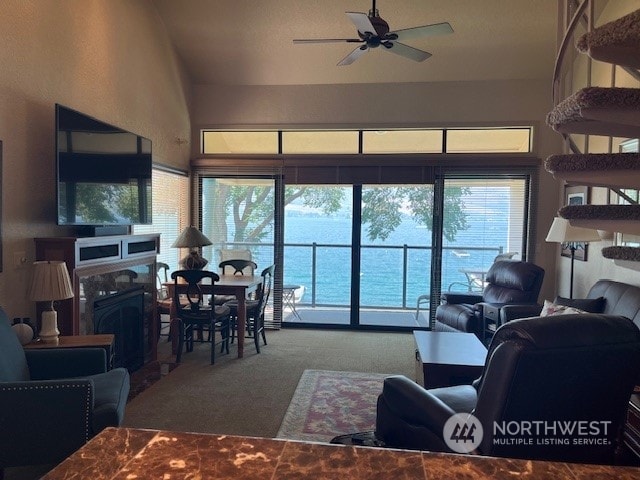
(109, 59)
(519, 102)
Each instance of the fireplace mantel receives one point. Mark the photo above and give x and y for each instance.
(103, 261)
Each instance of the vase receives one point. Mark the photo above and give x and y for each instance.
(23, 331)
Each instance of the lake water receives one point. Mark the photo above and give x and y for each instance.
(382, 262)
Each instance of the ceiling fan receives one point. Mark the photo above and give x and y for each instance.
(374, 31)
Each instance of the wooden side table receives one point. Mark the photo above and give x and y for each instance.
(444, 359)
(490, 322)
(104, 341)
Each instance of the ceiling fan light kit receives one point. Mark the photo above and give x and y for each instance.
(373, 31)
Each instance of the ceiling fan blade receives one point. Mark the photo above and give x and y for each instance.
(406, 51)
(362, 22)
(327, 40)
(418, 32)
(353, 56)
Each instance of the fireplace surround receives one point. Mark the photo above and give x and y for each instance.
(100, 267)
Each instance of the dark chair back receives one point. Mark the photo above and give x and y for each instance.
(509, 281)
(238, 266)
(559, 369)
(265, 290)
(162, 272)
(194, 294)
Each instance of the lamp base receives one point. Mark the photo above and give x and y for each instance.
(49, 332)
(193, 261)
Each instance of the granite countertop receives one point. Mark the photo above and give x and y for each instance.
(123, 453)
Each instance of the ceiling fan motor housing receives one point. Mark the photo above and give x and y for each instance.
(381, 27)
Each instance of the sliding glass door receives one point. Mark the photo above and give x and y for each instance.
(356, 255)
(367, 255)
(238, 216)
(395, 253)
(487, 221)
(317, 254)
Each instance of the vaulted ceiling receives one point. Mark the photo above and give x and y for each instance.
(250, 42)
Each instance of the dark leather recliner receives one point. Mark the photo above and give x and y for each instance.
(507, 282)
(556, 369)
(52, 401)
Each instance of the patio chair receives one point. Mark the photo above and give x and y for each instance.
(476, 278)
(422, 303)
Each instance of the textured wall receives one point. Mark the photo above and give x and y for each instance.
(110, 59)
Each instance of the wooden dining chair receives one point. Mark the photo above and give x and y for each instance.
(195, 313)
(163, 302)
(255, 310)
(234, 266)
(237, 266)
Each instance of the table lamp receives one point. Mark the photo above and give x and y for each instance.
(50, 282)
(571, 237)
(192, 238)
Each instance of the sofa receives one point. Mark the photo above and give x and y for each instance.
(605, 296)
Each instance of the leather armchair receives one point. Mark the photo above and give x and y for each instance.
(508, 282)
(52, 401)
(567, 368)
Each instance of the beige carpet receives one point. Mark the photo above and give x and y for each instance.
(250, 396)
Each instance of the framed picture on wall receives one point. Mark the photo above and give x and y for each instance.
(575, 195)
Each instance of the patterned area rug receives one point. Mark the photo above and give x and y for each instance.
(328, 403)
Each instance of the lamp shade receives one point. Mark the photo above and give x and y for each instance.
(191, 237)
(50, 282)
(562, 231)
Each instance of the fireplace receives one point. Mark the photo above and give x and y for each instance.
(122, 314)
(100, 267)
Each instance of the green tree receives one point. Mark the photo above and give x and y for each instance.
(251, 207)
(384, 206)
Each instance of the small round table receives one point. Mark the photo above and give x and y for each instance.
(289, 299)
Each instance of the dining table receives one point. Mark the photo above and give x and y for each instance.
(239, 286)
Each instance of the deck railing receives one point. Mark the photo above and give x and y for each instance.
(405, 299)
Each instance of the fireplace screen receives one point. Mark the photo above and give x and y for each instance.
(122, 314)
(120, 302)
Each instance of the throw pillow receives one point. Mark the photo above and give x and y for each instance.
(550, 308)
(591, 305)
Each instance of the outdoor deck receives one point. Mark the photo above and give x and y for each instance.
(369, 317)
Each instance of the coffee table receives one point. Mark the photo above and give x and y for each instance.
(444, 359)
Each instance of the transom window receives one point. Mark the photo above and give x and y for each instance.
(391, 141)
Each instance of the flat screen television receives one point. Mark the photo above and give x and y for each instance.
(103, 172)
